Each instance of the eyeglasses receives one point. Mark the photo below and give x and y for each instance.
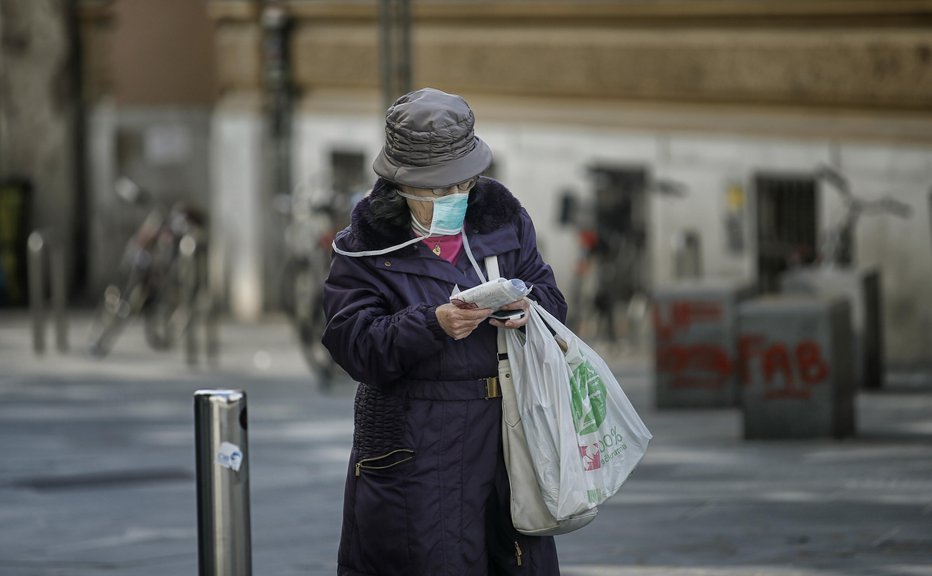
(464, 186)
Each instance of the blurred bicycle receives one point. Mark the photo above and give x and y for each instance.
(837, 246)
(163, 275)
(608, 276)
(314, 214)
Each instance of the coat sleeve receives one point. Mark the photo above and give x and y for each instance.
(532, 269)
(365, 337)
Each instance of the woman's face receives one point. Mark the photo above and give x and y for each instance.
(424, 211)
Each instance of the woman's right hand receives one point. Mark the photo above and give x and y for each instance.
(459, 323)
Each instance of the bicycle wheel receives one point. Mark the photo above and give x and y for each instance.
(169, 312)
(307, 316)
(315, 355)
(158, 327)
(108, 322)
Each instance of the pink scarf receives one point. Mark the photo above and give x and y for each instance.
(447, 247)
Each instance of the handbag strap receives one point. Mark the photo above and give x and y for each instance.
(491, 268)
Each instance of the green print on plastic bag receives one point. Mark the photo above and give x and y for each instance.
(587, 398)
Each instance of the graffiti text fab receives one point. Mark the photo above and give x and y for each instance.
(786, 369)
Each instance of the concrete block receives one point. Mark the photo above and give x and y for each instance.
(861, 287)
(797, 369)
(695, 326)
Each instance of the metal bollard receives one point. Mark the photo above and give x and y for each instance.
(36, 274)
(687, 255)
(223, 525)
(59, 295)
(196, 282)
(39, 244)
(190, 285)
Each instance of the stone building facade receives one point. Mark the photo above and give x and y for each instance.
(736, 105)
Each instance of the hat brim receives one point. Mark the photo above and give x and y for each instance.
(436, 175)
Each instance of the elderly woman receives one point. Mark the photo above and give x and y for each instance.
(427, 491)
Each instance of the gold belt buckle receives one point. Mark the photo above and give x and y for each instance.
(491, 388)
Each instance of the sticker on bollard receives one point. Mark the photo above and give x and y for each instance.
(229, 456)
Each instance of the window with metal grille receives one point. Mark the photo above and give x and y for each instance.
(349, 180)
(348, 171)
(786, 225)
(618, 253)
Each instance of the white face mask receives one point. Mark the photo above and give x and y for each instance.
(448, 215)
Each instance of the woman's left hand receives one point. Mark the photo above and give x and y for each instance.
(524, 304)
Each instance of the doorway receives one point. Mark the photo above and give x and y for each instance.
(613, 266)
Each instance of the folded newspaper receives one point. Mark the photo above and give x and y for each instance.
(493, 294)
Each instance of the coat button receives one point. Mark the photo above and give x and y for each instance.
(388, 263)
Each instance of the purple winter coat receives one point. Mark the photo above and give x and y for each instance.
(427, 491)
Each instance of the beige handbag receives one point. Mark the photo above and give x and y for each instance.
(529, 513)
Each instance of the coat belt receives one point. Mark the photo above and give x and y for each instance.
(481, 388)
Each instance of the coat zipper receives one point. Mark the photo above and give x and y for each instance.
(518, 553)
(359, 464)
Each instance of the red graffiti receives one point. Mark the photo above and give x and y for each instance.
(812, 367)
(748, 347)
(682, 314)
(700, 366)
(787, 371)
(784, 375)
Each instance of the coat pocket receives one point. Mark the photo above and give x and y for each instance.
(381, 514)
(385, 461)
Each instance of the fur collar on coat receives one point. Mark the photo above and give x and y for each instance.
(491, 205)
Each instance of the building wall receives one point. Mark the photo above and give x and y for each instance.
(540, 161)
(38, 113)
(162, 53)
(704, 92)
(149, 94)
(874, 54)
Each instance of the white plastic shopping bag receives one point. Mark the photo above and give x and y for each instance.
(585, 436)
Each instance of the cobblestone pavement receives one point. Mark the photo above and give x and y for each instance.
(97, 473)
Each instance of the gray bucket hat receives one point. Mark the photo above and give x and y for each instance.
(430, 142)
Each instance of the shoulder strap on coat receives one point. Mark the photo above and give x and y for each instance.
(491, 267)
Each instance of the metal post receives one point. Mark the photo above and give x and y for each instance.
(47, 256)
(196, 285)
(395, 41)
(388, 58)
(59, 295)
(224, 545)
(208, 312)
(687, 255)
(189, 287)
(214, 279)
(36, 274)
(404, 67)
